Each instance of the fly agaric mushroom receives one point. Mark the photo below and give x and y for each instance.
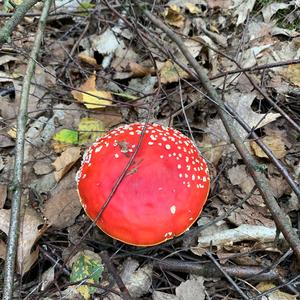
(162, 193)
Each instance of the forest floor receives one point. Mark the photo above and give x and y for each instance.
(106, 63)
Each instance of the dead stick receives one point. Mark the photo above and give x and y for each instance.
(210, 270)
(281, 219)
(18, 168)
(112, 270)
(16, 18)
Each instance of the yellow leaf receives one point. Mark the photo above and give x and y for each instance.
(97, 99)
(88, 59)
(275, 295)
(171, 72)
(275, 143)
(90, 96)
(173, 16)
(292, 73)
(12, 132)
(192, 8)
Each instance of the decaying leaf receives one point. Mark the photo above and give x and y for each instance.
(65, 162)
(86, 267)
(173, 16)
(219, 3)
(87, 59)
(137, 279)
(89, 130)
(139, 70)
(275, 143)
(171, 72)
(191, 289)
(242, 9)
(292, 73)
(241, 103)
(29, 234)
(2, 250)
(239, 176)
(275, 295)
(90, 96)
(3, 194)
(269, 10)
(192, 8)
(64, 206)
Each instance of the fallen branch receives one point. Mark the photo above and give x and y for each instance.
(16, 18)
(209, 270)
(280, 218)
(19, 159)
(112, 271)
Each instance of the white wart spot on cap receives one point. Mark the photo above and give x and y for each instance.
(98, 149)
(173, 209)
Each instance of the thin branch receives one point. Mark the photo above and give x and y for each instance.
(210, 270)
(257, 68)
(18, 168)
(280, 218)
(112, 270)
(17, 17)
(227, 276)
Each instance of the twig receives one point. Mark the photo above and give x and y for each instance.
(12, 23)
(210, 270)
(281, 219)
(18, 168)
(112, 270)
(226, 275)
(257, 68)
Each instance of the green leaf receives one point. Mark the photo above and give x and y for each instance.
(66, 136)
(89, 130)
(87, 267)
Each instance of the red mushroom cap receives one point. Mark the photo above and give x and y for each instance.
(161, 195)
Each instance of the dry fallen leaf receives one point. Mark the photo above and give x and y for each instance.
(173, 16)
(239, 176)
(2, 250)
(275, 143)
(275, 295)
(242, 10)
(137, 279)
(139, 70)
(65, 162)
(88, 59)
(64, 206)
(192, 8)
(269, 10)
(62, 209)
(292, 73)
(3, 194)
(192, 289)
(219, 3)
(90, 96)
(29, 234)
(171, 72)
